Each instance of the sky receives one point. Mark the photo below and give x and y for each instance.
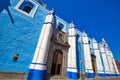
(98, 18)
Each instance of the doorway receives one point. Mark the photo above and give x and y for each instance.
(56, 68)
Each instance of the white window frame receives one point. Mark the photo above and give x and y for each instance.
(64, 28)
(32, 12)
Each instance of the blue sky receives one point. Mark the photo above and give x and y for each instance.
(98, 18)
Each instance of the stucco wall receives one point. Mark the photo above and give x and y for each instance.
(19, 34)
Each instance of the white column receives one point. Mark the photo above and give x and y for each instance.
(72, 64)
(87, 54)
(44, 41)
(98, 58)
(109, 60)
(38, 65)
(115, 69)
(104, 57)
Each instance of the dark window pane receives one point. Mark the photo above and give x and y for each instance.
(27, 9)
(15, 57)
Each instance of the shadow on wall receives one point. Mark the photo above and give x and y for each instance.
(4, 5)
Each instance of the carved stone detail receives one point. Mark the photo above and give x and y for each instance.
(59, 41)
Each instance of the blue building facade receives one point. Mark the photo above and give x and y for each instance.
(21, 27)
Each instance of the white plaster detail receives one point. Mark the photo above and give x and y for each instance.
(37, 67)
(72, 51)
(97, 54)
(87, 53)
(33, 11)
(71, 70)
(42, 48)
(104, 56)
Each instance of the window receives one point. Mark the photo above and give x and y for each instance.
(29, 7)
(88, 42)
(26, 6)
(61, 26)
(15, 58)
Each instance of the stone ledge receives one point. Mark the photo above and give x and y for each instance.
(13, 75)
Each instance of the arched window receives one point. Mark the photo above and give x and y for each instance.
(27, 8)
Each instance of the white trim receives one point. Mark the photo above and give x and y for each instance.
(100, 72)
(89, 71)
(37, 66)
(32, 12)
(71, 70)
(108, 72)
(59, 21)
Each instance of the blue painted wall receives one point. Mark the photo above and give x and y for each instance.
(80, 53)
(19, 34)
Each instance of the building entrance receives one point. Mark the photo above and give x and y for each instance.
(56, 68)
